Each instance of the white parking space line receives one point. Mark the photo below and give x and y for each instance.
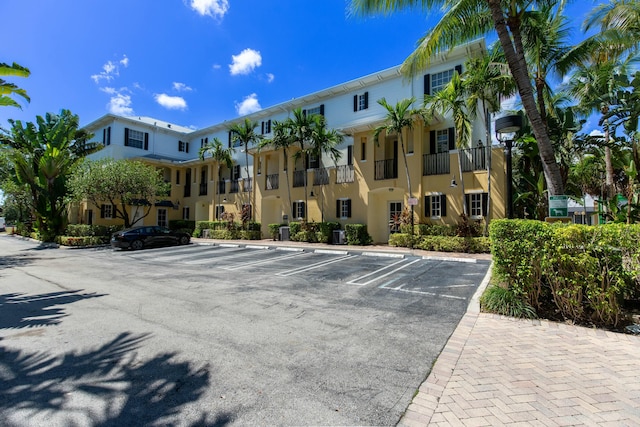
(376, 274)
(314, 266)
(411, 291)
(170, 256)
(264, 261)
(235, 254)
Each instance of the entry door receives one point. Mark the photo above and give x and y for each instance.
(395, 211)
(162, 217)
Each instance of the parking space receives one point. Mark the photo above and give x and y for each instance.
(449, 278)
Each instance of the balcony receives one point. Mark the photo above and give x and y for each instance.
(234, 186)
(203, 188)
(321, 176)
(272, 182)
(474, 159)
(344, 174)
(435, 164)
(246, 184)
(386, 169)
(299, 178)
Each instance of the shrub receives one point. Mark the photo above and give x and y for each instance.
(499, 300)
(250, 235)
(183, 225)
(82, 241)
(357, 234)
(436, 230)
(274, 230)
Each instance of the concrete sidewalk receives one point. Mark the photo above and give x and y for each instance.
(497, 370)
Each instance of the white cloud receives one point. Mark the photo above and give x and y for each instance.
(171, 102)
(120, 104)
(270, 77)
(248, 105)
(245, 62)
(110, 70)
(181, 87)
(213, 8)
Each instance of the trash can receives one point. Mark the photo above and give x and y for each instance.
(285, 233)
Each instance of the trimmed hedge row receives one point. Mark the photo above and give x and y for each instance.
(84, 230)
(581, 273)
(442, 243)
(228, 230)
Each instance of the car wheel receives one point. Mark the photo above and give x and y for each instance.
(184, 240)
(136, 245)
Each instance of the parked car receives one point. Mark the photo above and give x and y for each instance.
(136, 238)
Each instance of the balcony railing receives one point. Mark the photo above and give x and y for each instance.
(321, 176)
(234, 186)
(273, 181)
(203, 188)
(246, 184)
(473, 159)
(344, 174)
(299, 178)
(435, 164)
(386, 169)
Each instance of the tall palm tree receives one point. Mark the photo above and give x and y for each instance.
(245, 133)
(302, 126)
(452, 100)
(324, 142)
(465, 20)
(220, 155)
(486, 83)
(8, 89)
(399, 117)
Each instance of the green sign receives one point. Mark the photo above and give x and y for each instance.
(558, 206)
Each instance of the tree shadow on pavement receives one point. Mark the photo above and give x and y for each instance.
(26, 311)
(119, 388)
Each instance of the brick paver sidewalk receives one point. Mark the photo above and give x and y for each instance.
(501, 371)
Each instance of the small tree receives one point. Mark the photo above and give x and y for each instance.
(122, 183)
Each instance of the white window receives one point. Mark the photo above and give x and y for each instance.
(183, 146)
(442, 140)
(477, 204)
(440, 80)
(185, 213)
(204, 142)
(298, 209)
(136, 138)
(361, 101)
(162, 218)
(106, 211)
(315, 110)
(343, 208)
(435, 205)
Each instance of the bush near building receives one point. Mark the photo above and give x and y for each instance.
(583, 274)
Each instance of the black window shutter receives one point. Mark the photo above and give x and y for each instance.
(104, 136)
(427, 84)
(229, 139)
(109, 135)
(262, 131)
(338, 213)
(350, 154)
(485, 200)
(126, 137)
(177, 177)
(355, 102)
(458, 68)
(348, 208)
(427, 206)
(304, 209)
(432, 142)
(467, 201)
(452, 139)
(366, 100)
(206, 141)
(322, 109)
(186, 144)
(146, 141)
(102, 211)
(269, 126)
(443, 205)
(306, 161)
(113, 211)
(304, 113)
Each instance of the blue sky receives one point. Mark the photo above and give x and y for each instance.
(196, 62)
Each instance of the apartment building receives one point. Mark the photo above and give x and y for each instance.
(367, 185)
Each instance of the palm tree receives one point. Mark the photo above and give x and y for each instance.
(399, 117)
(452, 100)
(7, 89)
(465, 20)
(220, 155)
(486, 83)
(325, 141)
(245, 134)
(302, 127)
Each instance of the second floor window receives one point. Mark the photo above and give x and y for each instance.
(135, 138)
(361, 101)
(183, 146)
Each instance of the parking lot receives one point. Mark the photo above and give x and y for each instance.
(224, 334)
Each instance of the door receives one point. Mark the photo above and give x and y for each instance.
(90, 217)
(395, 212)
(162, 218)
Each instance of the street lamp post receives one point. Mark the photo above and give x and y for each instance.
(506, 128)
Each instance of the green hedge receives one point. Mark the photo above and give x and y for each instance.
(357, 234)
(312, 232)
(442, 243)
(225, 230)
(82, 241)
(84, 230)
(582, 273)
(182, 225)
